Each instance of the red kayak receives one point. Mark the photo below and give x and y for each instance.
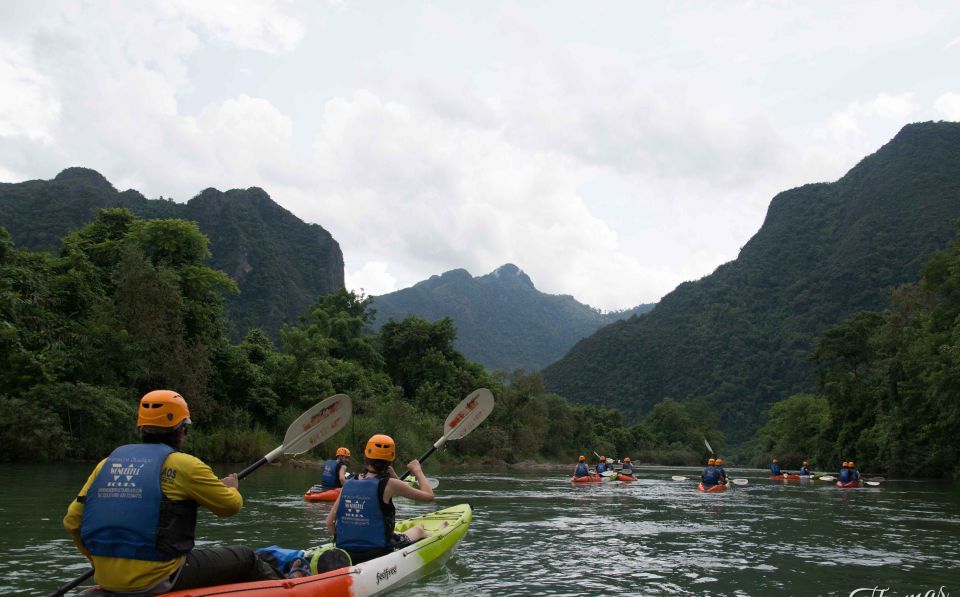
(587, 479)
(622, 477)
(712, 488)
(849, 484)
(785, 477)
(318, 494)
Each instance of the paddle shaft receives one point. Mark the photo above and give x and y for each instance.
(73, 584)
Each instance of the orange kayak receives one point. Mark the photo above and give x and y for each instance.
(587, 479)
(712, 488)
(318, 494)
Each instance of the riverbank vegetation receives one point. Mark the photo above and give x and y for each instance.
(127, 306)
(888, 386)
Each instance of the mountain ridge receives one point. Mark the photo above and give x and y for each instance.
(741, 337)
(502, 320)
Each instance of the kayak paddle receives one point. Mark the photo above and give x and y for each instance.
(678, 478)
(464, 418)
(316, 425)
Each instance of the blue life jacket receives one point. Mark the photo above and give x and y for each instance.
(854, 474)
(627, 468)
(601, 467)
(804, 471)
(331, 474)
(279, 557)
(846, 475)
(721, 472)
(363, 521)
(125, 513)
(774, 469)
(582, 470)
(710, 476)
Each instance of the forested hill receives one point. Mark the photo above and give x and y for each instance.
(741, 337)
(502, 320)
(280, 263)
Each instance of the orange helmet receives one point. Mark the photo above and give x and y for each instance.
(775, 461)
(851, 464)
(711, 461)
(343, 452)
(163, 408)
(845, 464)
(805, 463)
(381, 447)
(626, 459)
(719, 461)
(603, 459)
(582, 458)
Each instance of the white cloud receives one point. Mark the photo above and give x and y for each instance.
(849, 124)
(948, 105)
(29, 106)
(373, 278)
(255, 24)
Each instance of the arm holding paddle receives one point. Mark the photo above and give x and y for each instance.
(316, 425)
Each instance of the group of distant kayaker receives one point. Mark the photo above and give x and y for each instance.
(135, 518)
(582, 470)
(848, 471)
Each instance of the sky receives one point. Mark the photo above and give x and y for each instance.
(610, 150)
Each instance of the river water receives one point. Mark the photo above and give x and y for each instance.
(535, 534)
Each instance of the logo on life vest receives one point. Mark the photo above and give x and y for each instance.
(386, 573)
(123, 474)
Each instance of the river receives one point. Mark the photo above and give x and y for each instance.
(535, 534)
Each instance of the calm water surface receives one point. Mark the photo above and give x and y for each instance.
(534, 534)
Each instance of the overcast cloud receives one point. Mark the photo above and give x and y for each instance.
(610, 151)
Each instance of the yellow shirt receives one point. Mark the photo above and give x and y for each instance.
(182, 477)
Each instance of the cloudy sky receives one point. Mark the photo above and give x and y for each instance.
(611, 150)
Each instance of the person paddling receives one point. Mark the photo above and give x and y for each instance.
(804, 469)
(710, 474)
(775, 468)
(721, 472)
(135, 518)
(362, 519)
(627, 468)
(581, 470)
(335, 470)
(602, 466)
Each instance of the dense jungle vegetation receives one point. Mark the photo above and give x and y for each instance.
(888, 386)
(128, 305)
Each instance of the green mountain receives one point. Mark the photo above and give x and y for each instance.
(502, 320)
(741, 337)
(280, 263)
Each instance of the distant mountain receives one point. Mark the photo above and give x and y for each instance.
(502, 320)
(742, 336)
(280, 263)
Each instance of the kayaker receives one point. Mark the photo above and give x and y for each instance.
(335, 470)
(135, 518)
(602, 466)
(804, 469)
(627, 468)
(721, 472)
(710, 475)
(775, 468)
(581, 470)
(363, 517)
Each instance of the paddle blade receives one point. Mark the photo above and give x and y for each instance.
(707, 444)
(471, 411)
(678, 478)
(826, 478)
(739, 481)
(318, 424)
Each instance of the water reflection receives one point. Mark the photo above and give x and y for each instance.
(535, 534)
